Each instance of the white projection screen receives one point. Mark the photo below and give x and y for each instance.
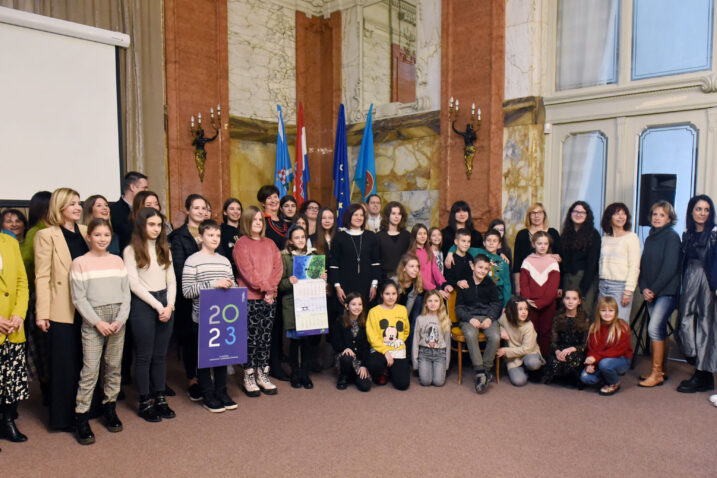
(59, 107)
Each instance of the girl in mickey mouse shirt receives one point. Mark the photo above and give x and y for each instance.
(387, 329)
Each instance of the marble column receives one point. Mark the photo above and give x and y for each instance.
(197, 79)
(318, 87)
(473, 70)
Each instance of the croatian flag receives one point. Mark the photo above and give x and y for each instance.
(301, 181)
(283, 173)
(365, 175)
(342, 183)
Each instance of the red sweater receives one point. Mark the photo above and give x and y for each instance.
(600, 349)
(540, 279)
(259, 266)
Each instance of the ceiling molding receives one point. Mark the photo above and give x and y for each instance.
(320, 8)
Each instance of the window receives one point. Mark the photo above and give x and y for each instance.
(671, 37)
(669, 149)
(583, 172)
(587, 43)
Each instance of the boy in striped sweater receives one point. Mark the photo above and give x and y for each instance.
(208, 269)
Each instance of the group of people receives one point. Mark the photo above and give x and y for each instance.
(106, 285)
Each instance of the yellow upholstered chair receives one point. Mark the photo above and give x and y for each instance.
(459, 339)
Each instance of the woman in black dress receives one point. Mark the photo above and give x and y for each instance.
(393, 238)
(459, 218)
(354, 264)
(580, 251)
(184, 241)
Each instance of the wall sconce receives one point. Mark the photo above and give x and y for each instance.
(469, 135)
(200, 154)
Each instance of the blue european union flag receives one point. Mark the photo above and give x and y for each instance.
(342, 184)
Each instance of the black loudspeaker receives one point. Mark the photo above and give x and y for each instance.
(653, 188)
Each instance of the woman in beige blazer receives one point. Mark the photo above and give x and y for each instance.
(55, 248)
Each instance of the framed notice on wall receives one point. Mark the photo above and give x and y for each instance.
(222, 327)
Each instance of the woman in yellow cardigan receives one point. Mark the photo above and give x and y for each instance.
(13, 306)
(55, 248)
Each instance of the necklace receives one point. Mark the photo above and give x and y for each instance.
(358, 251)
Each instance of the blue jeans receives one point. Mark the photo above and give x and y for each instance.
(518, 375)
(615, 289)
(660, 311)
(608, 369)
(431, 366)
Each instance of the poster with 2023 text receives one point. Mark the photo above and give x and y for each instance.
(222, 327)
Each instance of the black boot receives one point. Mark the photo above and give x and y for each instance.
(305, 379)
(83, 431)
(112, 421)
(147, 410)
(342, 383)
(700, 381)
(295, 376)
(9, 431)
(160, 403)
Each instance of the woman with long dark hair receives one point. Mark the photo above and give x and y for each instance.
(697, 331)
(459, 218)
(580, 251)
(393, 238)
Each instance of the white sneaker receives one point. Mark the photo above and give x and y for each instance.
(250, 386)
(262, 379)
(713, 399)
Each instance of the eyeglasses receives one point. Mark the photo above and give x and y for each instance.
(579, 213)
(313, 208)
(536, 213)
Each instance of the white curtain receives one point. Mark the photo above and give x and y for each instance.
(587, 43)
(583, 178)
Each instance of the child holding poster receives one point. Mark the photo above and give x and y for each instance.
(302, 349)
(208, 269)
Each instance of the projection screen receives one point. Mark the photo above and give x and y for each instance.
(59, 103)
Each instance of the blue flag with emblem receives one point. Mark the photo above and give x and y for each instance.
(342, 184)
(283, 172)
(365, 175)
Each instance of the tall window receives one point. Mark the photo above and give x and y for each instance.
(583, 172)
(587, 43)
(670, 149)
(671, 37)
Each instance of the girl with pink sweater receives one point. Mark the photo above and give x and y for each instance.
(430, 273)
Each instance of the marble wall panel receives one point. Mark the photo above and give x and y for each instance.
(262, 59)
(523, 42)
(406, 171)
(523, 168)
(251, 166)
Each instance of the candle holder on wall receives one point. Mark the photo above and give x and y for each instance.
(469, 135)
(200, 153)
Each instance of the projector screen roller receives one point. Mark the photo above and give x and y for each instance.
(58, 99)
